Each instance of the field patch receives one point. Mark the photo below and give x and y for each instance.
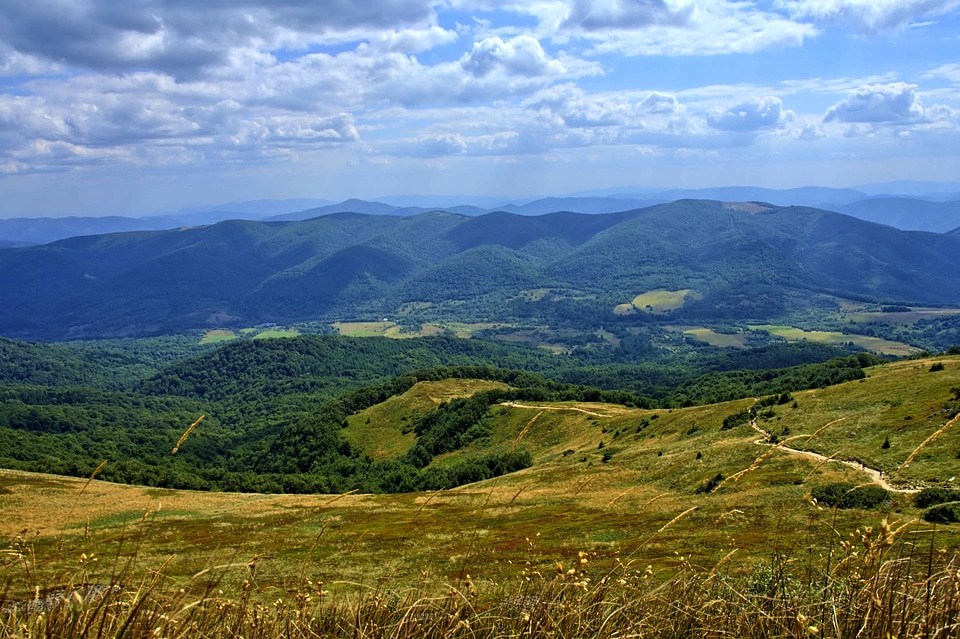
(723, 340)
(661, 300)
(363, 329)
(217, 336)
(277, 332)
(873, 344)
(905, 317)
(396, 331)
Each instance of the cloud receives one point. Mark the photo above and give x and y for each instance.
(867, 16)
(754, 114)
(594, 15)
(521, 56)
(811, 131)
(184, 38)
(896, 103)
(413, 40)
(661, 103)
(661, 27)
(570, 105)
(949, 72)
(446, 144)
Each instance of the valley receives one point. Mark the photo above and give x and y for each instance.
(580, 409)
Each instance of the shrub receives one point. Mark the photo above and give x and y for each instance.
(737, 419)
(937, 366)
(934, 496)
(711, 485)
(846, 495)
(944, 514)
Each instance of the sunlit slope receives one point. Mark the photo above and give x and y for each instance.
(879, 421)
(616, 483)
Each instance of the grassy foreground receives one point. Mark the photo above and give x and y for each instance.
(609, 534)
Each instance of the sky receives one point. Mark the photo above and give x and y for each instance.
(122, 107)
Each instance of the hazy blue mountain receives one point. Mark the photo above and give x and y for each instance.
(42, 230)
(257, 208)
(913, 188)
(45, 229)
(804, 196)
(445, 202)
(909, 214)
(467, 209)
(577, 205)
(349, 206)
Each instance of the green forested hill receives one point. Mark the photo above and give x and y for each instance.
(274, 409)
(739, 265)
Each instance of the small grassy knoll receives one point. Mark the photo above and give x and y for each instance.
(660, 300)
(383, 431)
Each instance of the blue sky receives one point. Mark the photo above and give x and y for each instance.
(114, 107)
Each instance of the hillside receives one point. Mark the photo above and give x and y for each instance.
(740, 265)
(609, 490)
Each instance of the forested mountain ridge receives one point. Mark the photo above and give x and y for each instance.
(741, 262)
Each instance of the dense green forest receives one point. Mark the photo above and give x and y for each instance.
(273, 408)
(443, 266)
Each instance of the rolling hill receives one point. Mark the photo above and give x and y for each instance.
(640, 494)
(742, 261)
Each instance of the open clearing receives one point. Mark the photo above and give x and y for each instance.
(873, 344)
(723, 340)
(661, 300)
(394, 330)
(276, 332)
(907, 317)
(217, 336)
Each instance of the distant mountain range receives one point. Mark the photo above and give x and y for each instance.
(738, 261)
(912, 206)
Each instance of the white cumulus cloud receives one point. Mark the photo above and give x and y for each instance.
(896, 103)
(754, 114)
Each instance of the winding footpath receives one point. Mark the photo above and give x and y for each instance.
(875, 475)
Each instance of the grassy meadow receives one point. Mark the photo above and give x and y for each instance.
(711, 337)
(872, 344)
(609, 533)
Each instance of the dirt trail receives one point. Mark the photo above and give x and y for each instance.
(875, 475)
(579, 410)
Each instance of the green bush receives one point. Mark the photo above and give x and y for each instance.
(935, 496)
(736, 419)
(710, 485)
(944, 514)
(847, 495)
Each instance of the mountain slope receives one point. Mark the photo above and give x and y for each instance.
(739, 264)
